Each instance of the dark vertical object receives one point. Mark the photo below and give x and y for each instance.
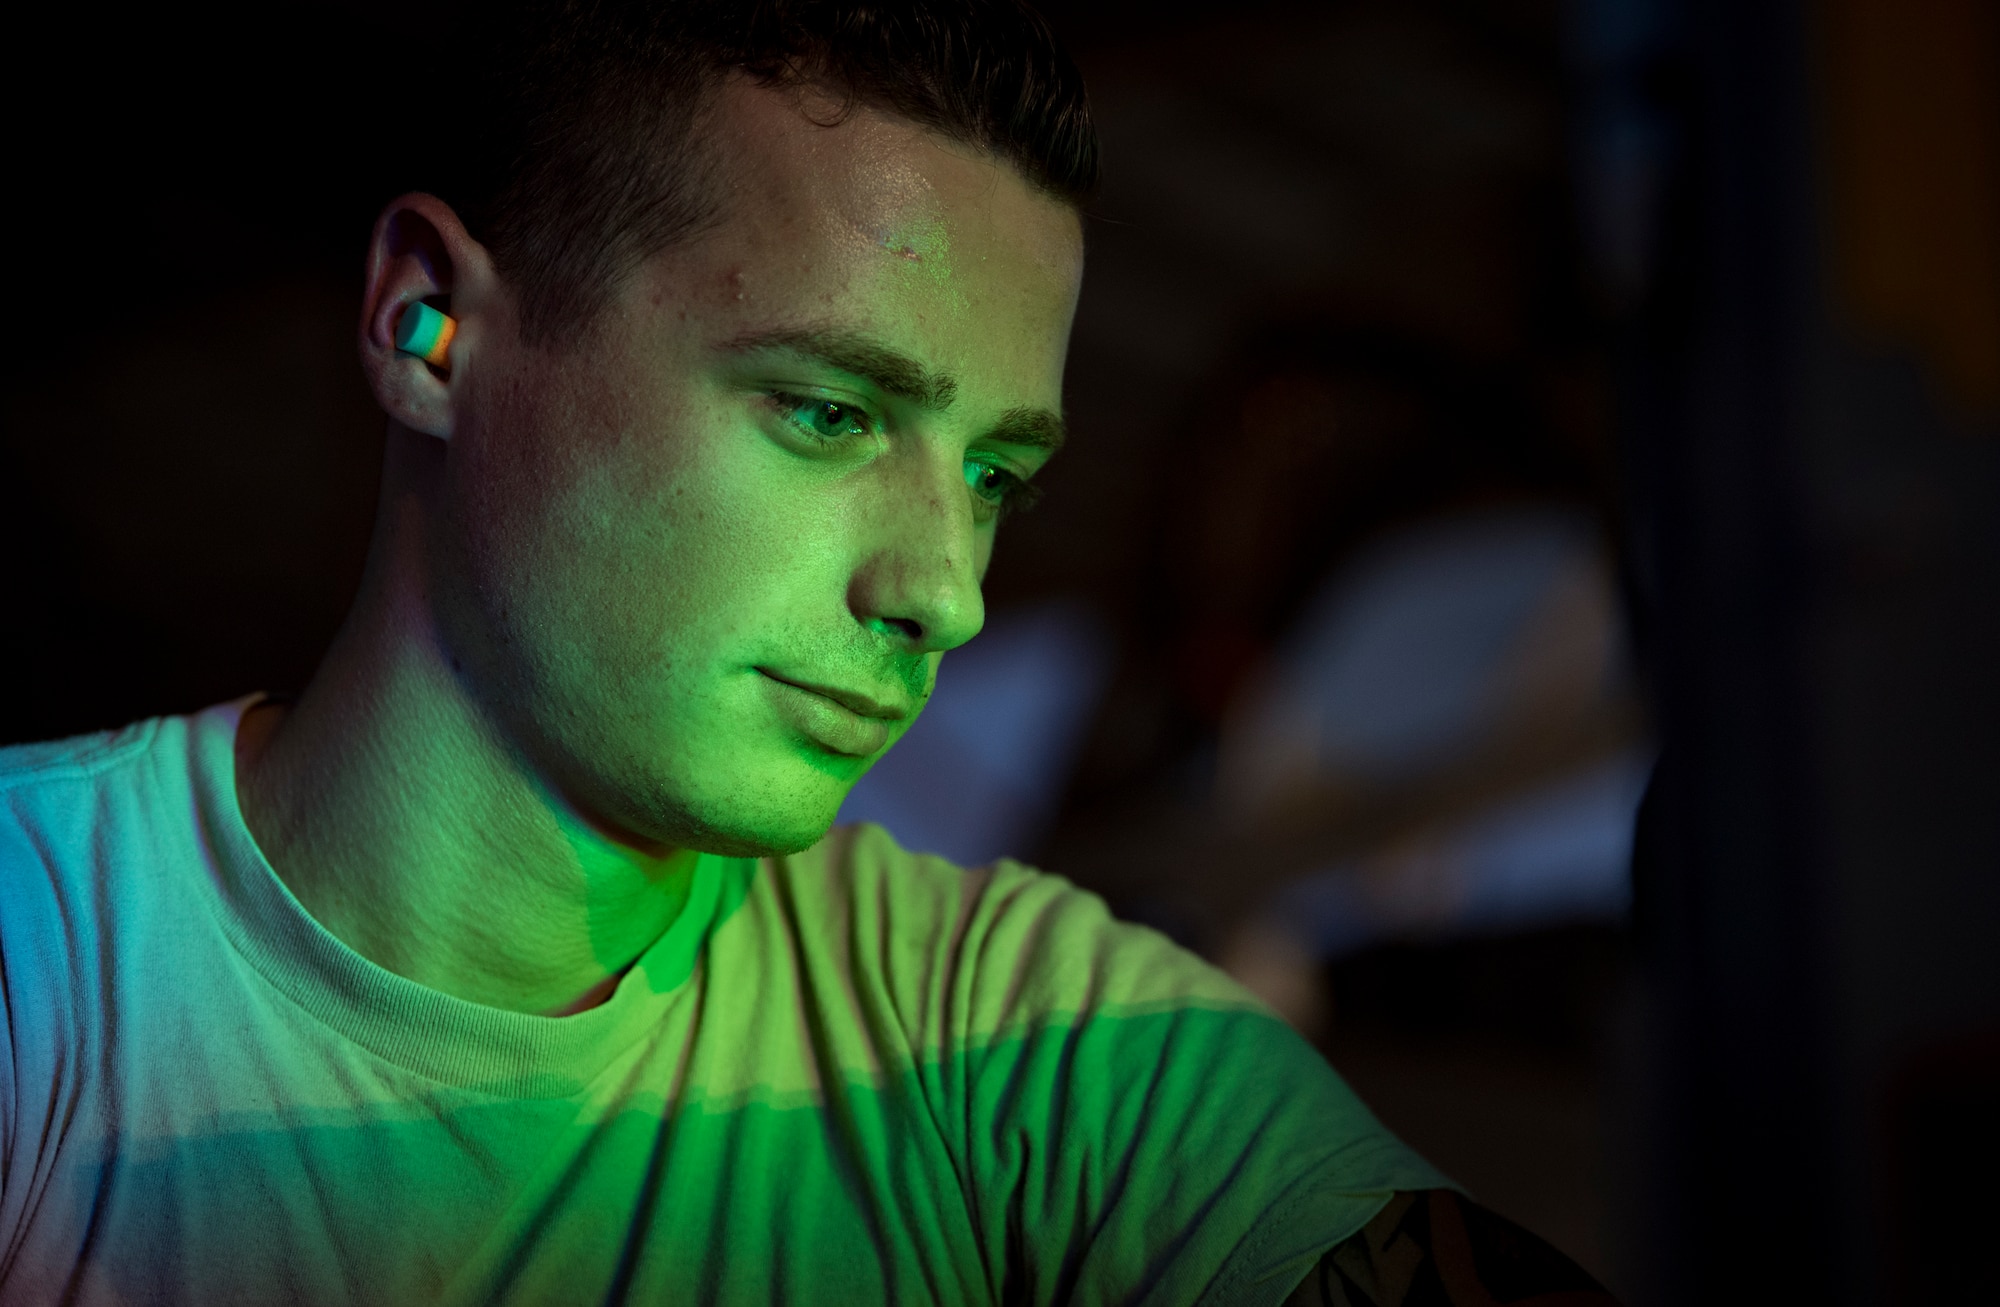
(1819, 856)
(1733, 944)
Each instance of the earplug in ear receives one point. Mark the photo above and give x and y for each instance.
(426, 333)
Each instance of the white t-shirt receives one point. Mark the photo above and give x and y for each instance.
(856, 1075)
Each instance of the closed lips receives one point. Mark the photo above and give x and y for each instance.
(838, 721)
(852, 700)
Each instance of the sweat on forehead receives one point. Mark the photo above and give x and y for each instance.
(860, 204)
(854, 162)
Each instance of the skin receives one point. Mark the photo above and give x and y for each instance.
(673, 583)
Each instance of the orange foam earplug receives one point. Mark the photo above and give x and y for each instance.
(426, 333)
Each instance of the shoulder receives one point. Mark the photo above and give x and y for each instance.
(1017, 941)
(1090, 1056)
(57, 858)
(24, 767)
(86, 825)
(54, 796)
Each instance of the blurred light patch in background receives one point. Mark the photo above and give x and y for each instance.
(1454, 720)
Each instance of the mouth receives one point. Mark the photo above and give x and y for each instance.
(839, 720)
(855, 701)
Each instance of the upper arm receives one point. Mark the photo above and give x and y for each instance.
(6, 1083)
(1433, 1248)
(1145, 1125)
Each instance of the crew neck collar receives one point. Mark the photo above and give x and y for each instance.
(424, 1030)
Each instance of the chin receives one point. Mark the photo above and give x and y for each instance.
(760, 821)
(743, 799)
(760, 844)
(757, 839)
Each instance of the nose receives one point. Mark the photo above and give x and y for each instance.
(918, 581)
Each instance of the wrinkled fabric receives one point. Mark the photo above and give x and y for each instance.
(854, 1075)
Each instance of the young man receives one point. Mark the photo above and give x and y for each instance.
(514, 962)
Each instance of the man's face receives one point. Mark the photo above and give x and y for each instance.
(702, 565)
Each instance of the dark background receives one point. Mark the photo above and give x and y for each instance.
(1724, 276)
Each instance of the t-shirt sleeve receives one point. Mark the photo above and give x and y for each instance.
(1156, 1135)
(6, 1087)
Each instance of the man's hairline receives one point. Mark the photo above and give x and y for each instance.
(802, 86)
(713, 212)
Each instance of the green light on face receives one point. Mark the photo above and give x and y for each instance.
(926, 246)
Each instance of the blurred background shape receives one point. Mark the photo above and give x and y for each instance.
(1455, 718)
(1487, 412)
(1480, 632)
(1560, 852)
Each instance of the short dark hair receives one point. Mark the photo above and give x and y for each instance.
(585, 155)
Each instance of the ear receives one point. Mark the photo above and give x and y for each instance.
(421, 252)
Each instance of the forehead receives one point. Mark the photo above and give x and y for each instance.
(869, 174)
(823, 208)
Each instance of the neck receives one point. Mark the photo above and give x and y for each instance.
(400, 816)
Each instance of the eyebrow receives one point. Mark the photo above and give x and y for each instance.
(896, 373)
(893, 373)
(1036, 428)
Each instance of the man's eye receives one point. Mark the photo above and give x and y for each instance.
(824, 419)
(996, 485)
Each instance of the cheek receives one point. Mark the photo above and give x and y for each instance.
(562, 498)
(622, 530)
(685, 536)
(543, 428)
(750, 530)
